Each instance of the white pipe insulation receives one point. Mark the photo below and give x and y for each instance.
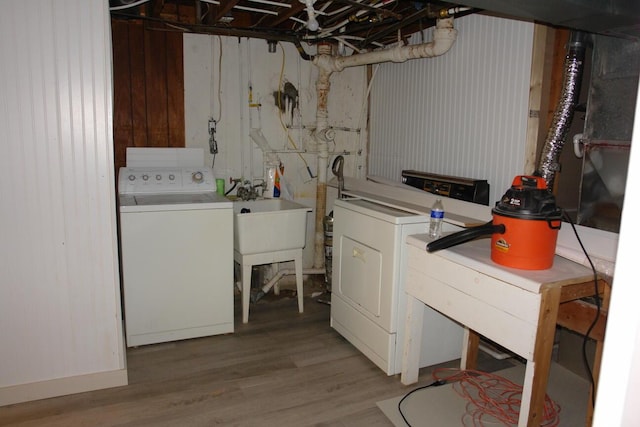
(323, 134)
(577, 145)
(444, 36)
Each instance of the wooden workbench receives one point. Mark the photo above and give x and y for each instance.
(517, 309)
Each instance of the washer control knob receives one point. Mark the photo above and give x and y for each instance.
(158, 177)
(145, 177)
(132, 177)
(197, 177)
(172, 177)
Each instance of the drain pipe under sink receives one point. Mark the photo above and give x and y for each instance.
(279, 275)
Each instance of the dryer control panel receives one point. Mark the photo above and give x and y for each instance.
(149, 180)
(467, 189)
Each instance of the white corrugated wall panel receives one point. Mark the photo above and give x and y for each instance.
(59, 297)
(464, 113)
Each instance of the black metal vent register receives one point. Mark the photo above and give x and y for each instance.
(467, 189)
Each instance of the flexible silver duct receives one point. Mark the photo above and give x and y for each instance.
(573, 66)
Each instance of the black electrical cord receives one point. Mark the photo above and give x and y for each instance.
(598, 304)
(232, 188)
(433, 384)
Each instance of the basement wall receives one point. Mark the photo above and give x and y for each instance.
(464, 113)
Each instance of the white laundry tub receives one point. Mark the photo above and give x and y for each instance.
(271, 225)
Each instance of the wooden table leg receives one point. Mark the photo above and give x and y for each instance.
(534, 388)
(412, 341)
(470, 344)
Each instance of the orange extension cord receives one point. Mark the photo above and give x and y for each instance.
(491, 398)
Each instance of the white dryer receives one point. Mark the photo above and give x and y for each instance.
(368, 302)
(176, 238)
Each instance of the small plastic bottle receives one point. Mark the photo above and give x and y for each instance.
(435, 224)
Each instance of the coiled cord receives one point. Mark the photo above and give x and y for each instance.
(490, 398)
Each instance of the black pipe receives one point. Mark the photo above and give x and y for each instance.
(303, 54)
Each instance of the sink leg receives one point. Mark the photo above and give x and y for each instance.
(274, 271)
(246, 291)
(299, 284)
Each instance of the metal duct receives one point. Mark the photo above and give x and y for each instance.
(573, 66)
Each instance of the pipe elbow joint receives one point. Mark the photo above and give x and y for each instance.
(443, 40)
(578, 150)
(325, 135)
(444, 23)
(327, 63)
(444, 36)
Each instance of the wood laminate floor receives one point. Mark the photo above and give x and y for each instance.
(283, 368)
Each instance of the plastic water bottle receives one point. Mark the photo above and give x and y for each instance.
(435, 224)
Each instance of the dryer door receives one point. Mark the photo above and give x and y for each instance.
(364, 256)
(360, 277)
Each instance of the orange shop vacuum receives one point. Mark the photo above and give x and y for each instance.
(524, 228)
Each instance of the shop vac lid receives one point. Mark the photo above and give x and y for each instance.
(528, 198)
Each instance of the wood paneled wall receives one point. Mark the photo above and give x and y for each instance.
(148, 88)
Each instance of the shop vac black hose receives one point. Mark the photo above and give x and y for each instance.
(465, 235)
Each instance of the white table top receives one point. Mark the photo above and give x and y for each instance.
(476, 255)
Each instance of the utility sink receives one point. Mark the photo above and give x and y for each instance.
(268, 225)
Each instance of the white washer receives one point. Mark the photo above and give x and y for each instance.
(176, 238)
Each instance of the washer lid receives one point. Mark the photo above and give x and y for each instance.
(173, 201)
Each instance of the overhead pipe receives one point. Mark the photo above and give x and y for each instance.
(444, 36)
(329, 31)
(572, 78)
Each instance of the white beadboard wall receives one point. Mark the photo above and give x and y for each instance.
(247, 62)
(60, 320)
(464, 113)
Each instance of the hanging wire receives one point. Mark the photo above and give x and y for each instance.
(364, 108)
(293, 144)
(219, 95)
(219, 78)
(596, 297)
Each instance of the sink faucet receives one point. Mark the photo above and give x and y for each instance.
(261, 185)
(250, 191)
